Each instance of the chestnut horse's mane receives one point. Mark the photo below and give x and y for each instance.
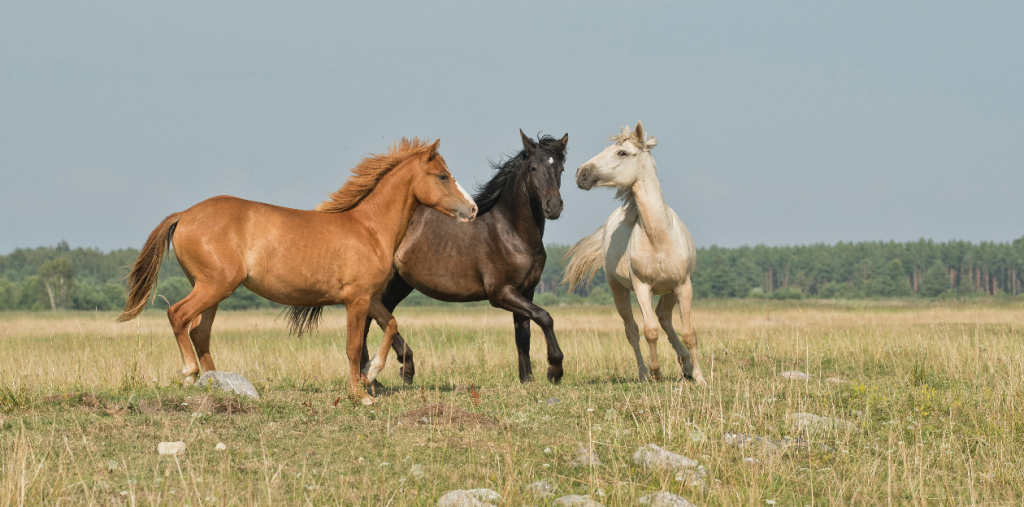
(369, 171)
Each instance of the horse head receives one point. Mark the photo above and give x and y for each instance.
(620, 164)
(435, 187)
(543, 170)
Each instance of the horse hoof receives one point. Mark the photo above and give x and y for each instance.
(189, 380)
(367, 401)
(554, 375)
(407, 373)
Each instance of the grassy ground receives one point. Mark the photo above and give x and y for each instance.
(935, 392)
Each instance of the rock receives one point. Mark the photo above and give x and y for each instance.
(693, 478)
(665, 499)
(113, 466)
(170, 447)
(220, 447)
(585, 458)
(469, 498)
(576, 501)
(416, 471)
(228, 381)
(794, 375)
(815, 425)
(652, 456)
(751, 461)
(836, 380)
(541, 489)
(771, 444)
(552, 401)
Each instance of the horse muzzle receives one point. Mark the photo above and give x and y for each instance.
(465, 214)
(553, 208)
(585, 177)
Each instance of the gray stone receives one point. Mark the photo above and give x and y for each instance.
(585, 458)
(794, 375)
(812, 425)
(652, 456)
(751, 461)
(576, 501)
(694, 478)
(469, 498)
(228, 381)
(665, 499)
(541, 489)
(771, 444)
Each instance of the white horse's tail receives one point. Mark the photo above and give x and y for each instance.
(584, 260)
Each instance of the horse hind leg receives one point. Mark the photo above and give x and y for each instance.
(186, 315)
(620, 294)
(643, 298)
(200, 335)
(664, 310)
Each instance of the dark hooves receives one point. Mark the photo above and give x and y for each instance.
(407, 372)
(554, 374)
(525, 379)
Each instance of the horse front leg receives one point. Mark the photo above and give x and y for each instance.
(521, 325)
(510, 299)
(643, 299)
(620, 294)
(356, 311)
(684, 293)
(397, 290)
(387, 322)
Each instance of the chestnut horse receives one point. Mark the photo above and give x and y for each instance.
(340, 253)
(498, 258)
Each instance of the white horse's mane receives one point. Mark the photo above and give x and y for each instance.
(628, 134)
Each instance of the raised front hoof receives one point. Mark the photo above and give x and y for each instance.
(408, 372)
(699, 379)
(555, 374)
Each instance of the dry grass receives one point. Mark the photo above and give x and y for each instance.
(935, 392)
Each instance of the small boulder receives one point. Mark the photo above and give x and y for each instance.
(220, 447)
(751, 461)
(665, 499)
(816, 425)
(469, 498)
(228, 381)
(794, 375)
(585, 458)
(170, 447)
(652, 456)
(541, 489)
(576, 501)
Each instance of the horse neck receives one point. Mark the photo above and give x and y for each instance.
(527, 217)
(388, 209)
(645, 195)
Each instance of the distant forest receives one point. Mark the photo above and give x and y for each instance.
(61, 278)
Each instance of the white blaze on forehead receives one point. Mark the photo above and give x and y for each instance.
(465, 194)
(551, 160)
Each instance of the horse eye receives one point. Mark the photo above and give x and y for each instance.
(442, 177)
(622, 153)
(534, 168)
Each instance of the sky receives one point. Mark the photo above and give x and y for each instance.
(778, 123)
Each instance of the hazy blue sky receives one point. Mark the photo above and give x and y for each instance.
(777, 124)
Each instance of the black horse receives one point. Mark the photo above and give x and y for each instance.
(498, 257)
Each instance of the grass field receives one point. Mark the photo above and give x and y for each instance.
(934, 391)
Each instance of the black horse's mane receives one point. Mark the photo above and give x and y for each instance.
(488, 194)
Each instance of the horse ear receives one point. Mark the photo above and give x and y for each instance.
(432, 154)
(564, 141)
(528, 143)
(639, 131)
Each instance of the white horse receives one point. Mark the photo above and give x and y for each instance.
(643, 247)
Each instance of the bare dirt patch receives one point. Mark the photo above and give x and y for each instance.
(447, 415)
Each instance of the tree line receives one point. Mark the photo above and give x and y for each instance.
(62, 278)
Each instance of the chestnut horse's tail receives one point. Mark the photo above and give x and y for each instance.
(142, 278)
(584, 260)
